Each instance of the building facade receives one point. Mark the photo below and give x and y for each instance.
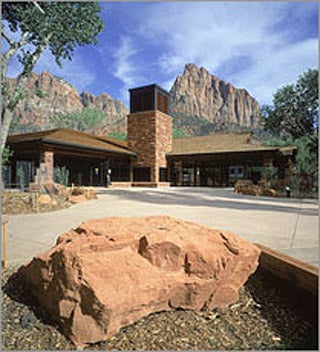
(150, 157)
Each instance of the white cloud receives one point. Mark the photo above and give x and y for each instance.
(282, 66)
(128, 68)
(167, 84)
(124, 66)
(213, 34)
(75, 71)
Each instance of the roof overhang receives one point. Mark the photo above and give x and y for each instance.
(224, 152)
(83, 146)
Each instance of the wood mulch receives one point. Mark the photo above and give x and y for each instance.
(264, 318)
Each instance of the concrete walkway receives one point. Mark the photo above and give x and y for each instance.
(288, 225)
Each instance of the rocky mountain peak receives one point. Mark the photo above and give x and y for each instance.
(199, 94)
(34, 112)
(201, 103)
(87, 98)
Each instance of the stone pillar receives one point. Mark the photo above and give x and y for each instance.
(192, 176)
(45, 173)
(267, 163)
(150, 136)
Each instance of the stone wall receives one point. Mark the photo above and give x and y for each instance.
(150, 136)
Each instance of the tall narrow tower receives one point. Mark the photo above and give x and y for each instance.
(149, 133)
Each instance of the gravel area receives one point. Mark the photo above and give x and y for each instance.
(264, 318)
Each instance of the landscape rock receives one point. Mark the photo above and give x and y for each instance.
(81, 194)
(269, 192)
(44, 199)
(247, 187)
(27, 321)
(108, 273)
(55, 188)
(77, 199)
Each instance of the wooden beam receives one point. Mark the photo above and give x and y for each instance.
(298, 273)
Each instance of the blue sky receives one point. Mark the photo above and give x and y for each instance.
(259, 46)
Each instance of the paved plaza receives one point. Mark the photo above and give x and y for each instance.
(285, 224)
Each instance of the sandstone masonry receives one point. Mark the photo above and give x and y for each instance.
(150, 136)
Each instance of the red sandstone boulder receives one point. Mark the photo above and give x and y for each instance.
(247, 187)
(269, 192)
(80, 194)
(44, 199)
(77, 199)
(110, 272)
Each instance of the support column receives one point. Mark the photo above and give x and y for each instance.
(169, 173)
(131, 169)
(267, 163)
(288, 171)
(45, 172)
(178, 166)
(154, 173)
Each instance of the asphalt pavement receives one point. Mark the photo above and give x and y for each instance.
(285, 224)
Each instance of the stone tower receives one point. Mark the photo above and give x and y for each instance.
(149, 134)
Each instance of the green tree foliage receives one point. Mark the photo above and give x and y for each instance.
(307, 160)
(194, 124)
(61, 175)
(179, 133)
(122, 136)
(293, 120)
(58, 26)
(84, 120)
(5, 157)
(295, 107)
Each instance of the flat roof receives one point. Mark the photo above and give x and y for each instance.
(150, 86)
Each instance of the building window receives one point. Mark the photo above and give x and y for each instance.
(236, 172)
(163, 174)
(25, 173)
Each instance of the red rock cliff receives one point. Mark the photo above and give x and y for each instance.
(198, 93)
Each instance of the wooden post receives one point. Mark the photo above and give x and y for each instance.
(37, 202)
(4, 241)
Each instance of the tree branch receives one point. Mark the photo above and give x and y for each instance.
(34, 58)
(14, 47)
(7, 38)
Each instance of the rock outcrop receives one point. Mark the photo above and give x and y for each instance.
(47, 95)
(201, 103)
(110, 272)
(198, 94)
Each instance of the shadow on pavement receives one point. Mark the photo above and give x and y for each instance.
(218, 199)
